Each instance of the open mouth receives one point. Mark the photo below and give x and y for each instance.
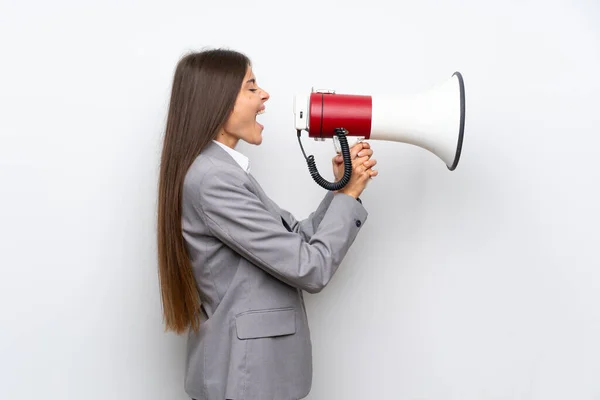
(261, 111)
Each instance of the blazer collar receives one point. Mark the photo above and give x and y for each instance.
(241, 159)
(214, 150)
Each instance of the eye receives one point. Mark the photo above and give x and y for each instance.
(253, 90)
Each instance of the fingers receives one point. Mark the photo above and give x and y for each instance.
(361, 145)
(358, 147)
(354, 153)
(365, 152)
(364, 163)
(368, 166)
(359, 161)
(364, 167)
(370, 163)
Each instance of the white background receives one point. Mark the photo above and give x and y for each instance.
(477, 284)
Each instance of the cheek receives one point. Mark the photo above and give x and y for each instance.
(239, 120)
(244, 115)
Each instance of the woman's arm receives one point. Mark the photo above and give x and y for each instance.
(308, 226)
(235, 215)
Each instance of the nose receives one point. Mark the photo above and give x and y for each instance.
(264, 95)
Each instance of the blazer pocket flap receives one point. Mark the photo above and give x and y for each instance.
(266, 323)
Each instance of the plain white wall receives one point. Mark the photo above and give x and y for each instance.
(482, 283)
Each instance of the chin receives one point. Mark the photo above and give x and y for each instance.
(257, 139)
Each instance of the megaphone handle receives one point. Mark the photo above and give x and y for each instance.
(312, 167)
(338, 148)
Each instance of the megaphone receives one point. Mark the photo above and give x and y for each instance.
(433, 120)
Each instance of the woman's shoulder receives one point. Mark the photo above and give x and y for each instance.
(209, 167)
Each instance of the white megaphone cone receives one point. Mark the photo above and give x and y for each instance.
(433, 120)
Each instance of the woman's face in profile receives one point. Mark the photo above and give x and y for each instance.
(242, 123)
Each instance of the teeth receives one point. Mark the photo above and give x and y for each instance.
(260, 112)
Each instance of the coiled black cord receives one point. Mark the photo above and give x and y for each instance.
(312, 167)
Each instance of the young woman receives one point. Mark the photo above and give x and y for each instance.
(233, 265)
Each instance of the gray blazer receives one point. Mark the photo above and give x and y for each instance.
(254, 341)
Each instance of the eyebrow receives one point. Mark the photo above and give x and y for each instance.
(253, 80)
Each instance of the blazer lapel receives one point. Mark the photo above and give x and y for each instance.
(268, 202)
(264, 198)
(214, 150)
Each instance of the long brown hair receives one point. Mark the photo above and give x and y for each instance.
(205, 87)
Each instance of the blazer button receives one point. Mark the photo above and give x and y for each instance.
(358, 223)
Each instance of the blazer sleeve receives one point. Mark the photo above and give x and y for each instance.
(308, 226)
(237, 217)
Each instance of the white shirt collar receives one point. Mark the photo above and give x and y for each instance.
(241, 159)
